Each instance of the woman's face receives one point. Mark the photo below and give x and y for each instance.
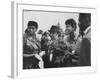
(69, 29)
(32, 30)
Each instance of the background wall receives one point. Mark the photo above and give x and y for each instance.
(5, 38)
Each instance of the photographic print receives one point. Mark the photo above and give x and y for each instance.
(56, 39)
(52, 39)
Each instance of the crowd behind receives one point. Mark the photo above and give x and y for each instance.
(58, 48)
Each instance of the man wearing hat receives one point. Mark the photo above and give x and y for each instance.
(31, 47)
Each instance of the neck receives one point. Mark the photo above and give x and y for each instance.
(71, 36)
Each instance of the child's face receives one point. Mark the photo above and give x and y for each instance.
(69, 29)
(32, 29)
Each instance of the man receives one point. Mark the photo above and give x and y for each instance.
(85, 31)
(31, 47)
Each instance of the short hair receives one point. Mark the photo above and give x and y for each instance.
(72, 22)
(85, 21)
(86, 17)
(32, 23)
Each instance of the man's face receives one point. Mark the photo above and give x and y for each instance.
(32, 30)
(69, 29)
(82, 23)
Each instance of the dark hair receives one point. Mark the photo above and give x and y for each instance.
(86, 17)
(32, 23)
(72, 22)
(84, 21)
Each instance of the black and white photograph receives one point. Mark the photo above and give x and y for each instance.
(55, 39)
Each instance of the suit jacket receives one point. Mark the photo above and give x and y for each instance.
(85, 50)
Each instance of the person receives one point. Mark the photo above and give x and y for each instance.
(70, 29)
(31, 47)
(47, 39)
(84, 22)
(85, 31)
(44, 41)
(56, 46)
(39, 34)
(44, 48)
(71, 42)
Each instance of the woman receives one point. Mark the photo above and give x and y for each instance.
(72, 44)
(31, 47)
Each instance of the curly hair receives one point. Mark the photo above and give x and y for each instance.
(72, 22)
